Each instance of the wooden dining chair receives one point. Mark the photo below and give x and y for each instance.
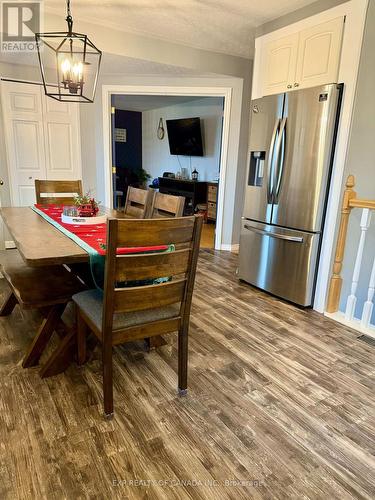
(48, 289)
(57, 192)
(126, 314)
(166, 205)
(138, 202)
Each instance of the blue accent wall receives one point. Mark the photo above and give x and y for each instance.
(129, 153)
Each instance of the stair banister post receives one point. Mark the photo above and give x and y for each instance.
(336, 279)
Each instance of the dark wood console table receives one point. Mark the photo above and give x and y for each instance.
(195, 192)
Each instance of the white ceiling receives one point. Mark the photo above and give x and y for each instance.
(225, 26)
(147, 102)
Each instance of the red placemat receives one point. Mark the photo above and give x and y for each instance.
(94, 235)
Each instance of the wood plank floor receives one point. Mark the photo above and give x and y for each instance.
(208, 236)
(277, 395)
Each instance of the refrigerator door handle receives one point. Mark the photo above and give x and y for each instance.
(271, 162)
(280, 158)
(296, 239)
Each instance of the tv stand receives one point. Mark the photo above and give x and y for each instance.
(195, 192)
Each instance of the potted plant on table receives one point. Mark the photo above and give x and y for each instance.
(86, 205)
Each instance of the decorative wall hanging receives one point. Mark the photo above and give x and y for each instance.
(76, 61)
(120, 134)
(161, 131)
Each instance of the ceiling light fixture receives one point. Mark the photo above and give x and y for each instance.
(76, 61)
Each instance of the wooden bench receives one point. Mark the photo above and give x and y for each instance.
(48, 289)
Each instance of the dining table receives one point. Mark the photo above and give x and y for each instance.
(41, 244)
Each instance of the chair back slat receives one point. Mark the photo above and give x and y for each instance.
(178, 265)
(154, 232)
(44, 189)
(167, 205)
(149, 296)
(148, 266)
(138, 202)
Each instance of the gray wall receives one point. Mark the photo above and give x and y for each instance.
(361, 163)
(156, 157)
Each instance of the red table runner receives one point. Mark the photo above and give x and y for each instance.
(94, 235)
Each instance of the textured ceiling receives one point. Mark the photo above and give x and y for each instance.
(225, 26)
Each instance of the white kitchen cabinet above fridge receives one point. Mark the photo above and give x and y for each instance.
(303, 59)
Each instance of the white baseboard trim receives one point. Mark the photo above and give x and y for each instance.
(354, 323)
(230, 248)
(10, 244)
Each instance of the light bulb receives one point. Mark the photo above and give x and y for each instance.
(65, 66)
(77, 71)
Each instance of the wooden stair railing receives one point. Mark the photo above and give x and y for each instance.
(349, 202)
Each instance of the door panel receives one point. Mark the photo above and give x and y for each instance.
(303, 177)
(26, 195)
(62, 140)
(23, 126)
(60, 154)
(280, 261)
(266, 114)
(280, 57)
(319, 53)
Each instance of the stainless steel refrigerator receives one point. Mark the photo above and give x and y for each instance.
(292, 139)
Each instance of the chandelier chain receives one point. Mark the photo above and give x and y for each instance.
(69, 18)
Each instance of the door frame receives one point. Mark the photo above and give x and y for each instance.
(224, 92)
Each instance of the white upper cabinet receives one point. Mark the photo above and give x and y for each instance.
(319, 54)
(279, 65)
(303, 59)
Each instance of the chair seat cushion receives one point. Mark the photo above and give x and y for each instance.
(91, 303)
(38, 286)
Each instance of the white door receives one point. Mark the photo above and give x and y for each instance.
(319, 54)
(279, 64)
(62, 139)
(42, 139)
(24, 138)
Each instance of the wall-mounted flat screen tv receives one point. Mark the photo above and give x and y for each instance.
(185, 137)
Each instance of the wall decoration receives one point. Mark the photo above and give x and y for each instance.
(120, 134)
(161, 131)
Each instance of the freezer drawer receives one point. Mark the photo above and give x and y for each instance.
(280, 261)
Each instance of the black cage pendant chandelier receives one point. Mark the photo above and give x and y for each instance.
(76, 61)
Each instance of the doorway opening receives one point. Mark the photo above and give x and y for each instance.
(171, 144)
(178, 93)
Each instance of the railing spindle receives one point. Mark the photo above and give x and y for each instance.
(369, 304)
(352, 299)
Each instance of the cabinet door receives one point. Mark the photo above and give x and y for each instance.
(319, 54)
(279, 63)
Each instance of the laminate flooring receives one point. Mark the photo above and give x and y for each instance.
(281, 405)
